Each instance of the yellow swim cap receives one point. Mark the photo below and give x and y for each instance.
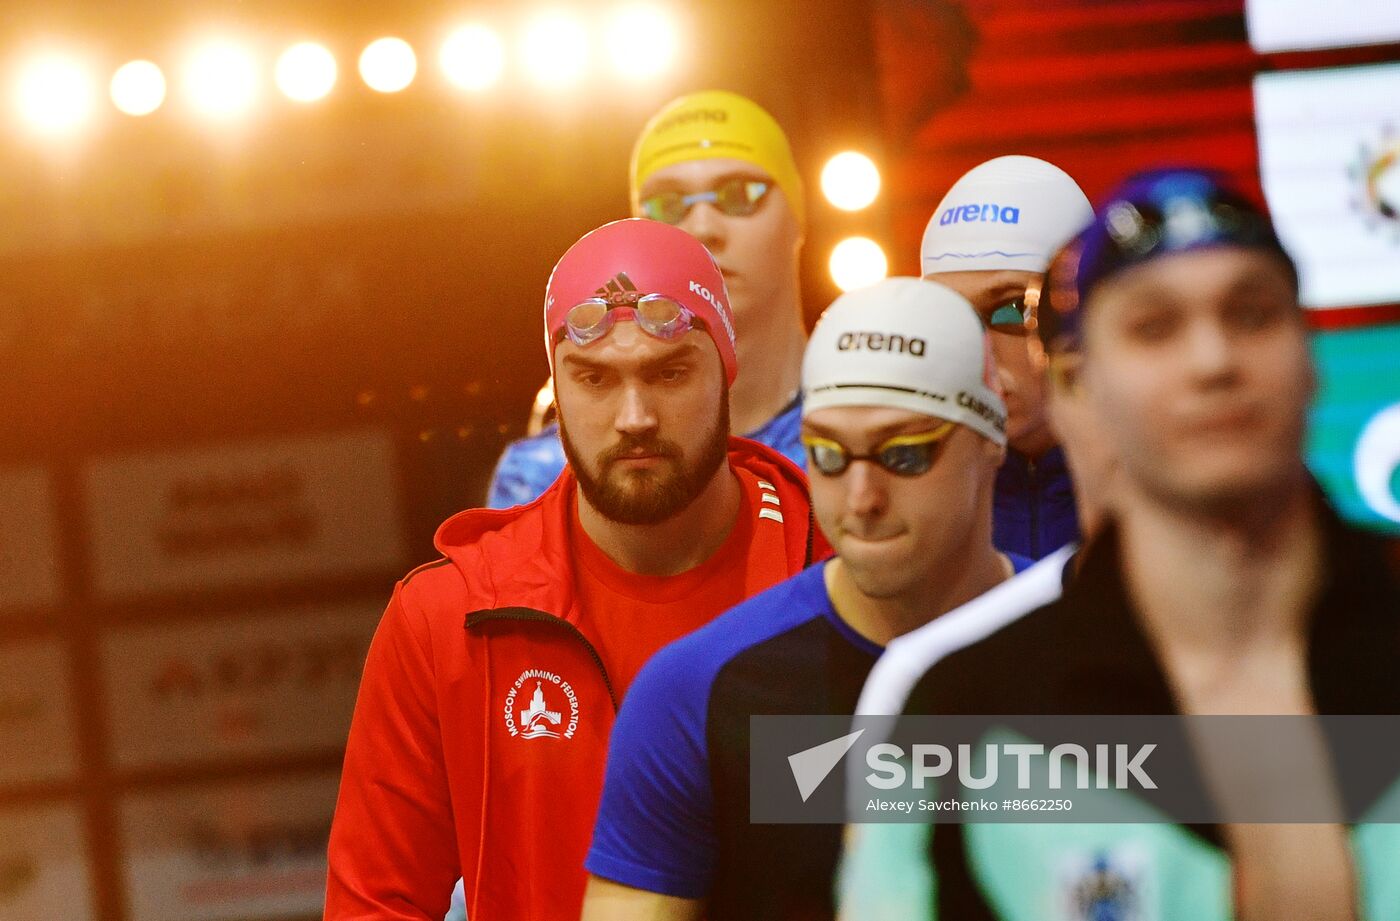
(716, 124)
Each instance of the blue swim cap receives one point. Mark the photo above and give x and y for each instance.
(1150, 214)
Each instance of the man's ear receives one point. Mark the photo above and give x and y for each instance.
(1064, 373)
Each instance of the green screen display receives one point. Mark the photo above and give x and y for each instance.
(1353, 444)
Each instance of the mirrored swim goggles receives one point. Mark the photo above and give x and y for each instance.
(660, 316)
(902, 455)
(735, 197)
(1165, 212)
(1009, 317)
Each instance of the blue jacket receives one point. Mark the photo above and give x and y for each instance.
(1033, 510)
(527, 467)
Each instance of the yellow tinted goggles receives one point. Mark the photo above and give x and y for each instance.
(902, 455)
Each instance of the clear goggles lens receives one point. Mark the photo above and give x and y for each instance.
(656, 314)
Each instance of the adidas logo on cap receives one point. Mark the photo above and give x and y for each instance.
(618, 284)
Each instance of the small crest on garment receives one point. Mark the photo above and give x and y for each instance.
(541, 705)
(1104, 887)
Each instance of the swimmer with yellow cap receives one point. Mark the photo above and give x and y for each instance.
(715, 125)
(717, 165)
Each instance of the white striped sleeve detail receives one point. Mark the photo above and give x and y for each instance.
(764, 484)
(770, 498)
(771, 513)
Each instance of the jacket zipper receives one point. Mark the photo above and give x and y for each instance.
(811, 534)
(530, 614)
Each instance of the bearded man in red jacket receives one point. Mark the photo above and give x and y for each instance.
(478, 744)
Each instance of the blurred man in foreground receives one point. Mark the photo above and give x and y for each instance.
(1222, 584)
(905, 432)
(719, 167)
(479, 734)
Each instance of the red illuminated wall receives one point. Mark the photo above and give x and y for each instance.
(1099, 88)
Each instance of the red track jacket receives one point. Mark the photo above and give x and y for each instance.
(442, 774)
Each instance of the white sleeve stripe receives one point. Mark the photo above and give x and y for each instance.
(764, 484)
(774, 514)
(770, 498)
(908, 658)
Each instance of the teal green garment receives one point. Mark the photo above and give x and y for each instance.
(1034, 872)
(1063, 872)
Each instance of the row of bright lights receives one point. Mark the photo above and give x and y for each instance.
(57, 93)
(851, 182)
(857, 262)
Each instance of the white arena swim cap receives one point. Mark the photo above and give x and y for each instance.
(1008, 213)
(908, 344)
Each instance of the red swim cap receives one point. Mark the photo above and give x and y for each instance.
(648, 257)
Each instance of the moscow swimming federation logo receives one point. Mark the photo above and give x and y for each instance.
(537, 718)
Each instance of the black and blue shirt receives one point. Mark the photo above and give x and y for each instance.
(674, 817)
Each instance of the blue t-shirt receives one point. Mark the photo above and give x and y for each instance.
(674, 812)
(531, 465)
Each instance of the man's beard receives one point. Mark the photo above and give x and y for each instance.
(644, 496)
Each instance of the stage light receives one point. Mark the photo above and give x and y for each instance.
(850, 181)
(857, 262)
(388, 65)
(221, 79)
(556, 49)
(473, 58)
(643, 41)
(56, 94)
(138, 88)
(306, 72)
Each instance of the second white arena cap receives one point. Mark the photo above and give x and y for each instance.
(1008, 213)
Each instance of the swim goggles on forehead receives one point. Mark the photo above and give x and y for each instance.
(657, 314)
(1133, 230)
(735, 197)
(902, 455)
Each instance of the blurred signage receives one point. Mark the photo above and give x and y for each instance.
(276, 510)
(251, 850)
(1354, 436)
(246, 686)
(287, 178)
(1329, 158)
(43, 871)
(1302, 25)
(29, 576)
(36, 731)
